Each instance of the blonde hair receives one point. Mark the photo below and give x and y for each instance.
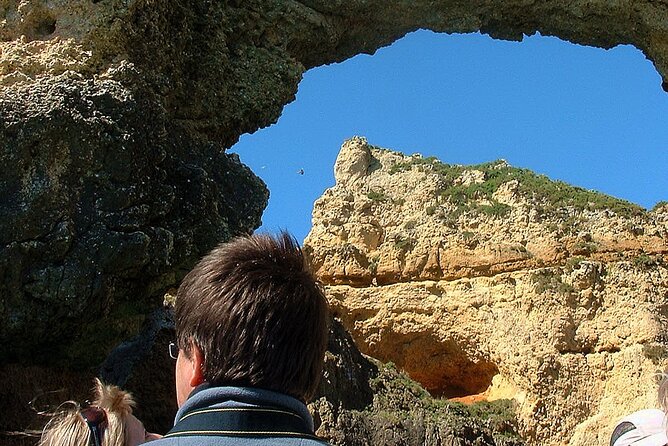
(663, 391)
(68, 428)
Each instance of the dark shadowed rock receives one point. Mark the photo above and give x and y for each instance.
(103, 205)
(361, 401)
(346, 375)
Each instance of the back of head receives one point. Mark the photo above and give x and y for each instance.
(257, 314)
(663, 391)
(68, 428)
(642, 428)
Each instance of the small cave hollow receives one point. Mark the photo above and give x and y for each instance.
(44, 27)
(446, 370)
(470, 379)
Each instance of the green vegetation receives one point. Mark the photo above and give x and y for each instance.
(573, 263)
(520, 249)
(403, 410)
(404, 244)
(415, 161)
(547, 280)
(552, 194)
(565, 288)
(499, 415)
(376, 196)
(495, 209)
(585, 247)
(392, 383)
(430, 210)
(570, 224)
(645, 261)
(373, 265)
(659, 204)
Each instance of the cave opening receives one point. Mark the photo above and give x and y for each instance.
(447, 371)
(445, 367)
(557, 108)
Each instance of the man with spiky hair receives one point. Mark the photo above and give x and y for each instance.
(251, 333)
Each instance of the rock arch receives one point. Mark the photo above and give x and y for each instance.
(115, 116)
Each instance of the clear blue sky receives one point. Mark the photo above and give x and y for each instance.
(591, 117)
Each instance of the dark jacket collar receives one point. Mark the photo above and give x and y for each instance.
(206, 395)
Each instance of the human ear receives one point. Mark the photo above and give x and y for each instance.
(197, 363)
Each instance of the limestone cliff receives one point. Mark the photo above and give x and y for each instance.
(362, 402)
(492, 282)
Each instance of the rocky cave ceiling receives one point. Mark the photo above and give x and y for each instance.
(115, 116)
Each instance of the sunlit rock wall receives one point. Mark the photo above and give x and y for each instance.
(490, 282)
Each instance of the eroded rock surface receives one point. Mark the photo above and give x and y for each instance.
(363, 402)
(109, 194)
(114, 120)
(491, 282)
(103, 206)
(115, 114)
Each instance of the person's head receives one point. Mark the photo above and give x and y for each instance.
(251, 314)
(643, 428)
(648, 427)
(108, 421)
(662, 393)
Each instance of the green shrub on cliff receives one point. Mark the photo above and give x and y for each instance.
(376, 196)
(405, 413)
(538, 188)
(364, 402)
(549, 280)
(405, 244)
(494, 209)
(645, 261)
(373, 265)
(659, 204)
